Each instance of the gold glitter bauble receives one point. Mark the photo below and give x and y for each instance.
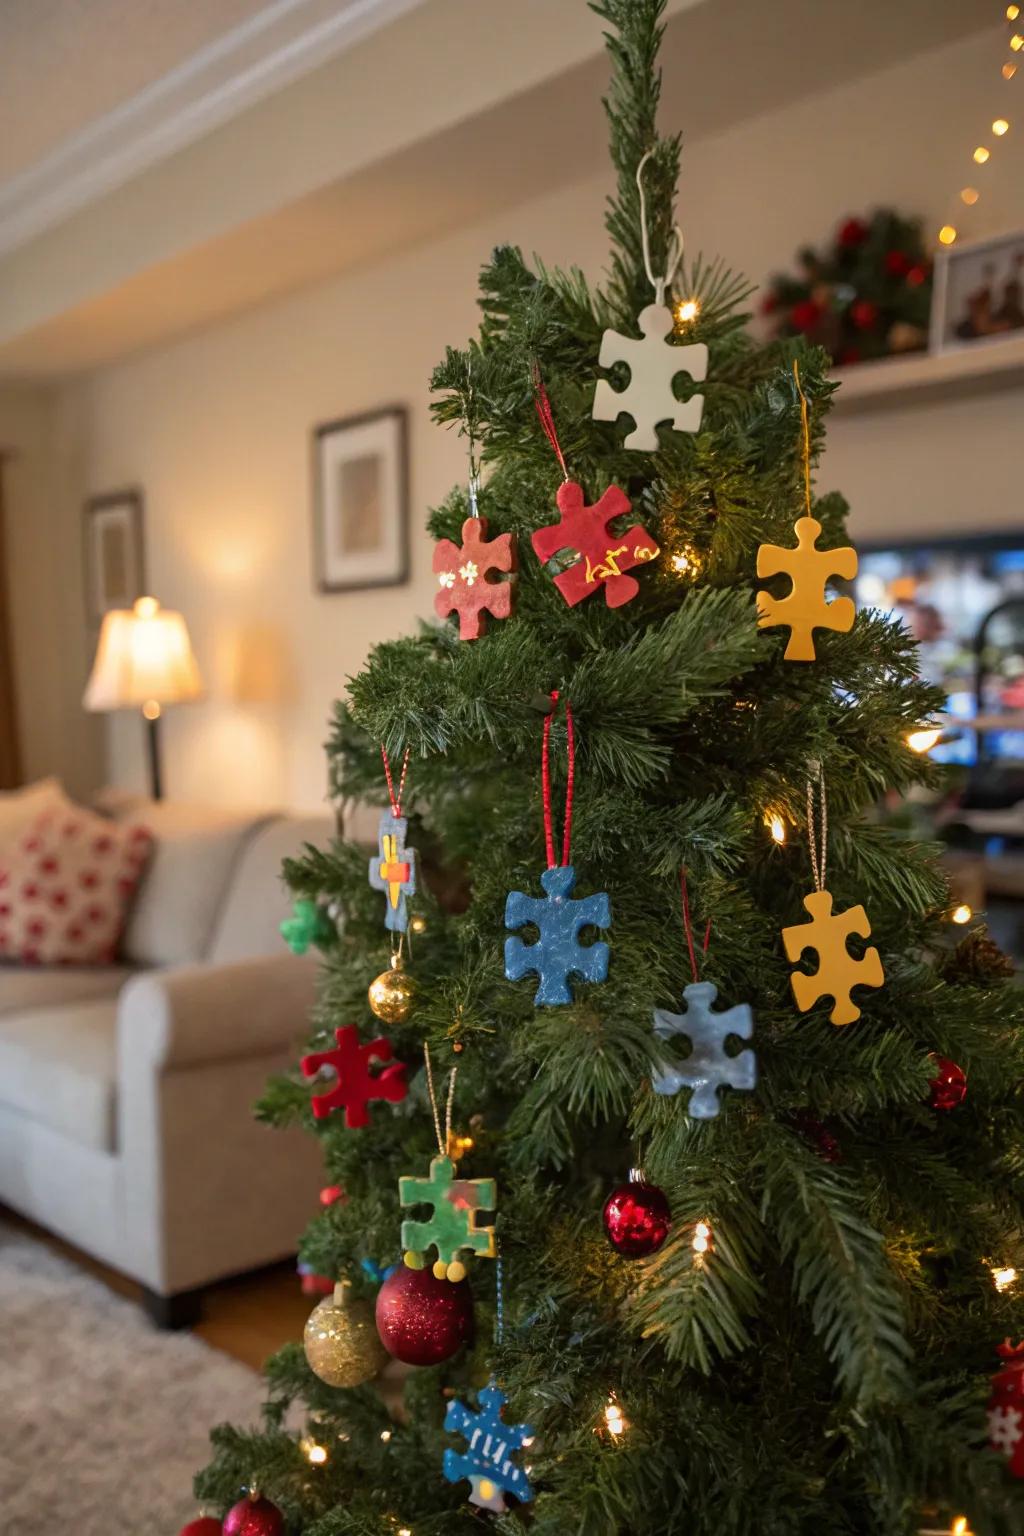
(341, 1340)
(392, 995)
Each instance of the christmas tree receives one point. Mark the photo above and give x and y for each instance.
(761, 1001)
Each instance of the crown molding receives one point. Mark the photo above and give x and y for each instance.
(286, 40)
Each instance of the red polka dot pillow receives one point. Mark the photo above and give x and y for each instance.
(66, 886)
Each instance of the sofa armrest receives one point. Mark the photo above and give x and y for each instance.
(197, 1014)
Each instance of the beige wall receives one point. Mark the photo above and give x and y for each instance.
(215, 428)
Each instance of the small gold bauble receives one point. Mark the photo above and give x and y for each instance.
(341, 1340)
(392, 994)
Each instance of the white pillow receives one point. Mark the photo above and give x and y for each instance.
(19, 808)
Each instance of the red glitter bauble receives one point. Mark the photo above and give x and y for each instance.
(949, 1086)
(637, 1219)
(206, 1525)
(422, 1320)
(253, 1517)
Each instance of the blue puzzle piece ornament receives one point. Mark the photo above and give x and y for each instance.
(487, 1461)
(557, 954)
(707, 1068)
(393, 870)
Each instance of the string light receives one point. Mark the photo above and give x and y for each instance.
(1017, 42)
(314, 1453)
(776, 826)
(962, 914)
(970, 196)
(1000, 126)
(701, 1240)
(385, 1435)
(687, 311)
(981, 154)
(1012, 12)
(1004, 1277)
(947, 234)
(923, 740)
(685, 561)
(614, 1419)
(960, 1527)
(1009, 70)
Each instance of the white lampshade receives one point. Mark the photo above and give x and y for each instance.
(144, 657)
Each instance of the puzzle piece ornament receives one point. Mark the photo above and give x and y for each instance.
(604, 557)
(838, 972)
(465, 583)
(805, 608)
(708, 1068)
(393, 870)
(653, 365)
(557, 954)
(356, 1085)
(308, 924)
(452, 1226)
(488, 1459)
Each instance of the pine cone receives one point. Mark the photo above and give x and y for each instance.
(977, 959)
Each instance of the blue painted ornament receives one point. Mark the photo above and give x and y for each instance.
(707, 1068)
(393, 870)
(557, 954)
(491, 1443)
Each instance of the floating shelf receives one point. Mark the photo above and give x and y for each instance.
(924, 376)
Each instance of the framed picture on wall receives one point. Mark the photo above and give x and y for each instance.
(360, 502)
(979, 293)
(114, 567)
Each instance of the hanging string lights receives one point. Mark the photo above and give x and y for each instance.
(970, 194)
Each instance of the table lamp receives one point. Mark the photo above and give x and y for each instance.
(144, 660)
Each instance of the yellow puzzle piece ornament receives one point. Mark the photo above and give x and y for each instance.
(805, 608)
(838, 971)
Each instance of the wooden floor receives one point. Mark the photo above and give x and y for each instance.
(248, 1318)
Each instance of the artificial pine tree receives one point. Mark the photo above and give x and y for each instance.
(810, 1350)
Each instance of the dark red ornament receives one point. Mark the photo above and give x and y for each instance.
(864, 314)
(465, 585)
(849, 355)
(1006, 1407)
(637, 1219)
(604, 557)
(917, 275)
(820, 1138)
(805, 315)
(852, 232)
(422, 1320)
(769, 304)
(949, 1086)
(206, 1525)
(897, 263)
(253, 1516)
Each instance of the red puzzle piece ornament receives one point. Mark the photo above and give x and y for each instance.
(356, 1084)
(464, 584)
(1006, 1407)
(604, 557)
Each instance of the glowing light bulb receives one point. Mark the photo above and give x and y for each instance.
(685, 561)
(776, 826)
(614, 1419)
(1000, 126)
(385, 1435)
(701, 1238)
(960, 1527)
(947, 234)
(687, 311)
(981, 154)
(962, 914)
(923, 740)
(970, 196)
(314, 1453)
(1004, 1277)
(1012, 12)
(1009, 70)
(1017, 42)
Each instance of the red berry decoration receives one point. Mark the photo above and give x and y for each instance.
(637, 1218)
(805, 315)
(423, 1320)
(949, 1086)
(253, 1516)
(897, 263)
(853, 232)
(864, 314)
(917, 275)
(206, 1525)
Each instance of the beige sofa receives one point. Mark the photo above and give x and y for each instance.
(126, 1093)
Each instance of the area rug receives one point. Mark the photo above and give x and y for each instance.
(103, 1419)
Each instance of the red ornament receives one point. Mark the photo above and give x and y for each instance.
(331, 1194)
(849, 355)
(604, 557)
(637, 1219)
(423, 1320)
(805, 315)
(769, 304)
(356, 1085)
(897, 263)
(253, 1516)
(466, 587)
(852, 232)
(864, 314)
(1006, 1407)
(820, 1137)
(917, 275)
(949, 1086)
(206, 1525)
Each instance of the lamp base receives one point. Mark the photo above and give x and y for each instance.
(156, 784)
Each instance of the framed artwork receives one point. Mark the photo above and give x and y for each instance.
(360, 502)
(979, 293)
(114, 566)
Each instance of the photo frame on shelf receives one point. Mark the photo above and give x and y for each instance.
(978, 297)
(113, 559)
(360, 501)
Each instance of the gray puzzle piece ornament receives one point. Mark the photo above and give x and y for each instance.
(653, 365)
(707, 1068)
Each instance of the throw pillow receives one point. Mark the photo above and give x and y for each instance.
(19, 808)
(66, 887)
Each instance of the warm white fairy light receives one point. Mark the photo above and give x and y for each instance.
(1017, 42)
(924, 739)
(314, 1453)
(701, 1239)
(947, 234)
(962, 914)
(614, 1419)
(773, 820)
(1003, 1277)
(1000, 126)
(685, 561)
(385, 1435)
(687, 311)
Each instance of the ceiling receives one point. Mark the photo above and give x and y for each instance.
(64, 63)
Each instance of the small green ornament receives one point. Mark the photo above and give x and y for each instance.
(452, 1226)
(308, 924)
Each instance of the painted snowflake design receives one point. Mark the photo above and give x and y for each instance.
(1004, 1428)
(469, 572)
(446, 579)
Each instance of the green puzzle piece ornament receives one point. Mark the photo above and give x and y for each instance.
(453, 1224)
(308, 924)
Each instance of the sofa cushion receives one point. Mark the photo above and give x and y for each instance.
(19, 808)
(66, 886)
(179, 901)
(58, 1066)
(258, 900)
(39, 986)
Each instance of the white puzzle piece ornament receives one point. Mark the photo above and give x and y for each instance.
(653, 366)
